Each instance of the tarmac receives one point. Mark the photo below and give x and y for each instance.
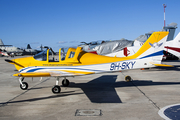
(92, 97)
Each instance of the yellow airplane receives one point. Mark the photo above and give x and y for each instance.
(78, 62)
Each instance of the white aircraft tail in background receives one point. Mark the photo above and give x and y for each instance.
(173, 47)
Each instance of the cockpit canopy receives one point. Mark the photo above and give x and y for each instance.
(49, 55)
(42, 56)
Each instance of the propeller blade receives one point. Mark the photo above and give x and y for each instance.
(13, 62)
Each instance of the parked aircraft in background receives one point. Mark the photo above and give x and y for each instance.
(30, 51)
(89, 46)
(120, 48)
(10, 49)
(78, 62)
(172, 48)
(2, 53)
(127, 51)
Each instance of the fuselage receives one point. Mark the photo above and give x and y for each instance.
(78, 62)
(11, 49)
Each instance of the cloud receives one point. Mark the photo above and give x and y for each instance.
(74, 42)
(61, 42)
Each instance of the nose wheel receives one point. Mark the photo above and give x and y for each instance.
(24, 86)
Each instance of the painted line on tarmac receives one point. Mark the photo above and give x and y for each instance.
(170, 112)
(9, 101)
(151, 101)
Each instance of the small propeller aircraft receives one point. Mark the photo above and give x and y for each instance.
(30, 51)
(10, 49)
(78, 62)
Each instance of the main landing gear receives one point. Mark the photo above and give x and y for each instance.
(57, 89)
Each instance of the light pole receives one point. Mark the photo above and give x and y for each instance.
(164, 5)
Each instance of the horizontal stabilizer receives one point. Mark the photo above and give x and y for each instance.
(162, 65)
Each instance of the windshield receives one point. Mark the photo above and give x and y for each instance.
(42, 56)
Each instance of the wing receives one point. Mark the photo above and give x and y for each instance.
(60, 73)
(33, 74)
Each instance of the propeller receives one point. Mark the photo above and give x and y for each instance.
(13, 62)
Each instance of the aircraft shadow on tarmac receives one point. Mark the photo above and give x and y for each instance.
(102, 89)
(63, 94)
(99, 90)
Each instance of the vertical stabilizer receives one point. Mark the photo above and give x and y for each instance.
(171, 28)
(173, 44)
(28, 46)
(177, 38)
(1, 42)
(153, 47)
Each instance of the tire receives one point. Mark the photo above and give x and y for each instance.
(24, 86)
(128, 79)
(56, 89)
(65, 82)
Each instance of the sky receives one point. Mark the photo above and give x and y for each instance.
(66, 23)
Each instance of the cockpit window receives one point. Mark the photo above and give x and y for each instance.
(53, 57)
(42, 56)
(71, 55)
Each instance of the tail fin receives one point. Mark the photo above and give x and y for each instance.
(153, 47)
(1, 42)
(173, 43)
(28, 46)
(176, 39)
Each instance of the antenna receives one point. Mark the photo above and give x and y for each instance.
(164, 5)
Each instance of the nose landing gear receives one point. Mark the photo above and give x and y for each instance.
(23, 85)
